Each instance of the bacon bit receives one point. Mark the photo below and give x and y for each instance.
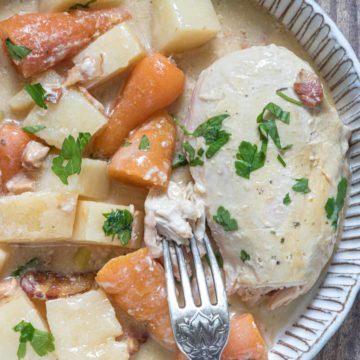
(20, 183)
(48, 285)
(309, 89)
(34, 154)
(54, 95)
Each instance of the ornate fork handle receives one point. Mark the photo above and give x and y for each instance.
(202, 336)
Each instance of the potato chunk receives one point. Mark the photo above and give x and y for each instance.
(42, 216)
(92, 182)
(63, 5)
(114, 59)
(90, 220)
(85, 327)
(73, 114)
(12, 311)
(181, 25)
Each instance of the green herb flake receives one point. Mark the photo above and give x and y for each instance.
(219, 259)
(41, 341)
(276, 111)
(333, 206)
(281, 160)
(191, 153)
(224, 219)
(69, 161)
(287, 98)
(17, 52)
(119, 223)
(33, 129)
(249, 158)
(79, 6)
(269, 129)
(37, 93)
(179, 160)
(244, 256)
(144, 143)
(32, 263)
(287, 200)
(182, 127)
(302, 186)
(126, 143)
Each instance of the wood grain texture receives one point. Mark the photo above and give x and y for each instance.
(345, 345)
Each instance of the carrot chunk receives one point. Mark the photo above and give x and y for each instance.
(145, 158)
(53, 37)
(154, 84)
(138, 285)
(12, 144)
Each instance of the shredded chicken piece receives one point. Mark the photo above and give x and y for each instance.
(34, 154)
(54, 95)
(20, 183)
(309, 89)
(7, 288)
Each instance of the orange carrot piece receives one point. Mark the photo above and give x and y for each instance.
(12, 144)
(54, 37)
(245, 341)
(138, 285)
(150, 167)
(154, 84)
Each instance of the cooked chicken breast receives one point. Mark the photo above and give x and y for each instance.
(278, 250)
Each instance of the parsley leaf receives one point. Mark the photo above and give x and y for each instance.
(144, 143)
(288, 98)
(287, 200)
(37, 93)
(32, 263)
(41, 341)
(269, 128)
(17, 52)
(78, 6)
(119, 223)
(33, 129)
(276, 111)
(179, 160)
(224, 219)
(249, 158)
(71, 152)
(333, 206)
(281, 160)
(244, 256)
(190, 151)
(302, 186)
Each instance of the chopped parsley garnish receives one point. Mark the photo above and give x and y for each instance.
(79, 6)
(276, 111)
(190, 151)
(281, 93)
(119, 223)
(287, 200)
(182, 127)
(32, 263)
(41, 341)
(224, 219)
(144, 143)
(37, 93)
(126, 143)
(302, 186)
(244, 256)
(249, 158)
(269, 129)
(281, 160)
(33, 129)
(219, 259)
(17, 52)
(179, 160)
(71, 154)
(333, 206)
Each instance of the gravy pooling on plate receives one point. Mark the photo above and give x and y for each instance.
(72, 250)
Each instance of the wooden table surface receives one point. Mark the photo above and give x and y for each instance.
(345, 345)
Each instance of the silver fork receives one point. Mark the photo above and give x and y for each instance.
(201, 331)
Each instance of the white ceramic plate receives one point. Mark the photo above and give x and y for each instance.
(336, 61)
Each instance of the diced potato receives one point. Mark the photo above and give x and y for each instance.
(22, 103)
(85, 325)
(181, 25)
(63, 5)
(115, 59)
(42, 216)
(90, 220)
(92, 182)
(73, 114)
(12, 311)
